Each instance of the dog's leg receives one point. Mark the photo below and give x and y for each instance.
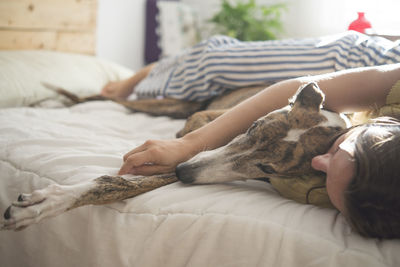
(217, 106)
(199, 119)
(56, 199)
(173, 108)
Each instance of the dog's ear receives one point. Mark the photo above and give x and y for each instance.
(309, 97)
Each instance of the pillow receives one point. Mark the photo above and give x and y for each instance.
(22, 74)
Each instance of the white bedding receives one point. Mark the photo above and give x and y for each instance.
(234, 224)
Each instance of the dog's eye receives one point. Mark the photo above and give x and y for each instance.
(266, 168)
(252, 127)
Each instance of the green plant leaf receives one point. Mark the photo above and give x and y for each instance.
(248, 21)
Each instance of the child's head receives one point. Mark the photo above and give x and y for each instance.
(372, 199)
(363, 177)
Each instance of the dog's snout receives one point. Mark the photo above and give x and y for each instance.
(7, 213)
(185, 173)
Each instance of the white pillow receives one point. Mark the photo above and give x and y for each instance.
(21, 74)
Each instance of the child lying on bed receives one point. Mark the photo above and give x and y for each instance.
(361, 166)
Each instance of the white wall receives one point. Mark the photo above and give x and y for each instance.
(320, 17)
(311, 18)
(120, 32)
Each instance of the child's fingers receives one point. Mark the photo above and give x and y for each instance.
(145, 146)
(138, 149)
(107, 89)
(136, 160)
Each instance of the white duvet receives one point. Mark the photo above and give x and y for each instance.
(234, 224)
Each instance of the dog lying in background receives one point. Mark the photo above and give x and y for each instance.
(278, 145)
(196, 114)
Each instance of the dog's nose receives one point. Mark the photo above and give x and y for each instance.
(184, 173)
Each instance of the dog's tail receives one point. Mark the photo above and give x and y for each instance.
(71, 96)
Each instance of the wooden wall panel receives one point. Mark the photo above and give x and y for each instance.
(76, 42)
(26, 40)
(63, 25)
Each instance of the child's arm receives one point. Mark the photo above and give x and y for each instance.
(350, 90)
(122, 89)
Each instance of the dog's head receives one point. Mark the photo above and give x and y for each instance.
(280, 144)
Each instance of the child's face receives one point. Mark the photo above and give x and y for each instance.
(339, 165)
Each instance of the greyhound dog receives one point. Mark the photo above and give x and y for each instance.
(196, 114)
(278, 145)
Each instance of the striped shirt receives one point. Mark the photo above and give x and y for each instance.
(222, 63)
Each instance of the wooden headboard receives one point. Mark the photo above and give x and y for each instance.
(61, 25)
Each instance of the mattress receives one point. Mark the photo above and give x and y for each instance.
(244, 223)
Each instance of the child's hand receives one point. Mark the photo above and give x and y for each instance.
(122, 89)
(156, 157)
(118, 90)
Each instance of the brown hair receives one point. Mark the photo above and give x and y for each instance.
(372, 198)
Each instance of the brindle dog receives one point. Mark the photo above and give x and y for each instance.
(280, 144)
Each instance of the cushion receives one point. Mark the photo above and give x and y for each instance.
(22, 74)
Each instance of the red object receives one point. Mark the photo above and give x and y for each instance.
(360, 24)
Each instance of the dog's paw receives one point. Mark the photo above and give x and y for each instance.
(32, 208)
(196, 121)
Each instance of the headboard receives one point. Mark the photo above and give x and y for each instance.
(61, 25)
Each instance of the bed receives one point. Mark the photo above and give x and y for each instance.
(44, 142)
